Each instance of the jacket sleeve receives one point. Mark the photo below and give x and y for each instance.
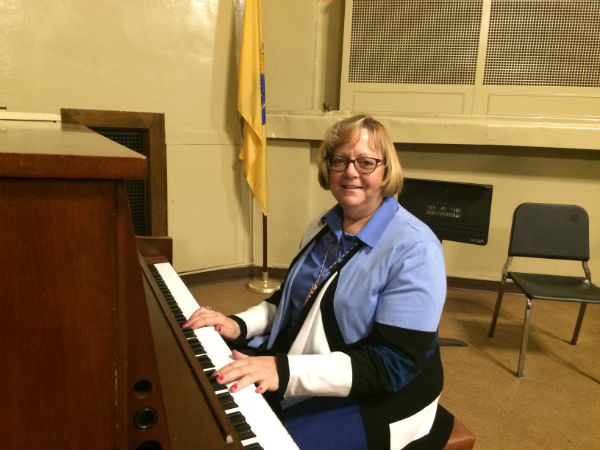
(257, 319)
(404, 335)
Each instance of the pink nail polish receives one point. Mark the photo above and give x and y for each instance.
(184, 325)
(220, 379)
(259, 390)
(234, 387)
(214, 374)
(218, 329)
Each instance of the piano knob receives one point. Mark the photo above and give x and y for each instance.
(144, 418)
(142, 388)
(149, 445)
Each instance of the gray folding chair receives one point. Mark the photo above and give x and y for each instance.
(550, 231)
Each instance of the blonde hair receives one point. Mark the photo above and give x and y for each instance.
(345, 130)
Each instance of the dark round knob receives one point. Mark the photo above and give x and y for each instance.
(144, 418)
(149, 445)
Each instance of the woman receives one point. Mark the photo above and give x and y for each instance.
(348, 346)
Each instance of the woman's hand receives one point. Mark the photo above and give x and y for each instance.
(246, 370)
(206, 317)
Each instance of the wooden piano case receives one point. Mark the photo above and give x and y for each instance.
(74, 335)
(78, 357)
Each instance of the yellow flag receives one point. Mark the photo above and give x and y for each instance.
(251, 103)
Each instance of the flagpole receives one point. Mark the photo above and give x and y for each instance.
(263, 285)
(251, 105)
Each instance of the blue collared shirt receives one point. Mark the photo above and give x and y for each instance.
(400, 282)
(327, 251)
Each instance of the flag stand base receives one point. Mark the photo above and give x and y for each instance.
(264, 285)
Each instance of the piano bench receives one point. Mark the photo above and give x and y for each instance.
(460, 438)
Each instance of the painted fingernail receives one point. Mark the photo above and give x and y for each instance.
(220, 379)
(259, 389)
(218, 329)
(185, 325)
(234, 387)
(214, 374)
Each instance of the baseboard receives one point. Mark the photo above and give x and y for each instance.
(472, 284)
(236, 273)
(220, 275)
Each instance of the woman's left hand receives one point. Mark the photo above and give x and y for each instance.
(246, 370)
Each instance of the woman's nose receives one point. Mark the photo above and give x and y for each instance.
(351, 169)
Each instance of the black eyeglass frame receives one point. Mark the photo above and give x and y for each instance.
(353, 161)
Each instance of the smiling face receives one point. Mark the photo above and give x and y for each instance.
(358, 194)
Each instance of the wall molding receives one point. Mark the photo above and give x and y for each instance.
(237, 273)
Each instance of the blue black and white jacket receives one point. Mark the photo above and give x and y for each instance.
(370, 330)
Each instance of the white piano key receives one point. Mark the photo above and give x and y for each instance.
(270, 433)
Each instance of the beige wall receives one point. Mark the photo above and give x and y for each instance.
(179, 58)
(518, 175)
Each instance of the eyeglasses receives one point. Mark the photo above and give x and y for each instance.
(362, 165)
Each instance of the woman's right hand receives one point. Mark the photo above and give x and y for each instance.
(206, 317)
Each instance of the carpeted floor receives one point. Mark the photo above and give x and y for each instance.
(556, 405)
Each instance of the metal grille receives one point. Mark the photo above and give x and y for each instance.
(544, 43)
(414, 42)
(137, 190)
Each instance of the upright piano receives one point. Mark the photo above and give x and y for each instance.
(93, 354)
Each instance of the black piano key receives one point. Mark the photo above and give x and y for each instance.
(227, 400)
(196, 346)
(227, 406)
(237, 418)
(203, 357)
(254, 446)
(189, 333)
(180, 318)
(240, 425)
(216, 386)
(245, 434)
(205, 362)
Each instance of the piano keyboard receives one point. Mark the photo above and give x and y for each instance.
(257, 425)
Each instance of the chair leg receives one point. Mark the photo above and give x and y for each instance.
(497, 307)
(578, 324)
(529, 304)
